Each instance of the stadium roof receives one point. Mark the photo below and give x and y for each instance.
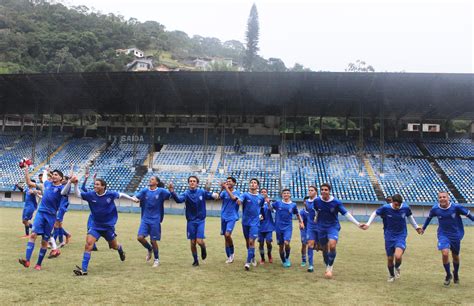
(405, 95)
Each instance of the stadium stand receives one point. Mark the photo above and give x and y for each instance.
(461, 173)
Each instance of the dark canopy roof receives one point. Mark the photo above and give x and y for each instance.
(405, 95)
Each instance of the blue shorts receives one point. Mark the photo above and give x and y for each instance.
(283, 236)
(311, 235)
(265, 236)
(393, 243)
(195, 229)
(89, 222)
(28, 213)
(304, 239)
(152, 229)
(108, 234)
(227, 226)
(60, 214)
(445, 242)
(324, 235)
(250, 231)
(43, 225)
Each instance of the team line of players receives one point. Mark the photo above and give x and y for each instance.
(318, 221)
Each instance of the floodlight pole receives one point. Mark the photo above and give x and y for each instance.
(382, 134)
(33, 148)
(361, 135)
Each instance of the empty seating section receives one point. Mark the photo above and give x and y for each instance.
(341, 172)
(188, 148)
(10, 173)
(342, 146)
(6, 140)
(414, 179)
(461, 173)
(393, 148)
(248, 149)
(184, 159)
(179, 179)
(451, 149)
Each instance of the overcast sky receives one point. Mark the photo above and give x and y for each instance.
(401, 35)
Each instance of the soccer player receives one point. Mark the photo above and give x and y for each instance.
(303, 235)
(328, 225)
(394, 217)
(229, 215)
(252, 209)
(104, 212)
(84, 189)
(311, 231)
(195, 209)
(46, 215)
(152, 200)
(284, 211)
(31, 204)
(267, 227)
(59, 231)
(450, 232)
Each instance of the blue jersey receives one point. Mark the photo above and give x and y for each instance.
(267, 224)
(51, 200)
(64, 203)
(304, 215)
(103, 210)
(449, 220)
(311, 215)
(152, 203)
(251, 208)
(195, 202)
(394, 220)
(30, 199)
(328, 213)
(230, 209)
(284, 215)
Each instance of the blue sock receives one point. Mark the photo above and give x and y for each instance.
(447, 268)
(303, 258)
(287, 253)
(119, 249)
(250, 254)
(85, 261)
(269, 252)
(262, 252)
(31, 225)
(456, 268)
(391, 270)
(30, 246)
(147, 245)
(331, 257)
(231, 249)
(27, 230)
(310, 256)
(227, 251)
(195, 257)
(55, 233)
(61, 235)
(325, 258)
(42, 252)
(156, 253)
(65, 233)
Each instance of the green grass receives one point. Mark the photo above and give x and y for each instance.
(360, 271)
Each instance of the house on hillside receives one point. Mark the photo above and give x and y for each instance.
(143, 64)
(135, 51)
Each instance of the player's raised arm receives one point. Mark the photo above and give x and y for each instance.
(28, 181)
(177, 198)
(230, 193)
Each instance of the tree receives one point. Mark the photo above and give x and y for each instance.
(299, 68)
(276, 65)
(252, 39)
(359, 66)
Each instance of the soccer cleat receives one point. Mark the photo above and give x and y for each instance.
(24, 262)
(262, 261)
(447, 280)
(62, 244)
(148, 256)
(391, 279)
(328, 273)
(38, 268)
(303, 264)
(229, 260)
(456, 279)
(397, 272)
(288, 263)
(247, 266)
(270, 259)
(203, 253)
(78, 271)
(311, 269)
(54, 253)
(122, 255)
(196, 263)
(156, 263)
(253, 262)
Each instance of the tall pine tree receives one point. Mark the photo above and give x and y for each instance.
(252, 39)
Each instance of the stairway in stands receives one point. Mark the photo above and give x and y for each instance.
(373, 180)
(437, 168)
(140, 172)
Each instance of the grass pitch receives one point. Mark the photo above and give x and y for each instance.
(360, 271)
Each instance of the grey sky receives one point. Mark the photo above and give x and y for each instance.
(408, 35)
